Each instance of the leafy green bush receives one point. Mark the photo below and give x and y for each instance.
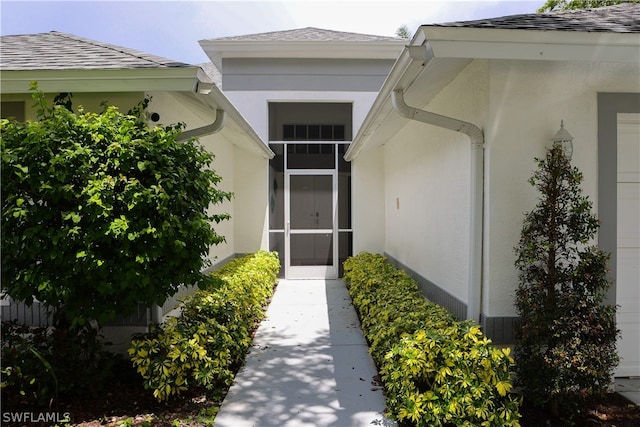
(566, 337)
(101, 212)
(436, 370)
(34, 372)
(207, 343)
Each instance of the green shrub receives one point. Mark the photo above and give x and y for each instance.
(566, 337)
(436, 370)
(97, 210)
(35, 372)
(207, 343)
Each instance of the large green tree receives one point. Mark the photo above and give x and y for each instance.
(554, 5)
(101, 212)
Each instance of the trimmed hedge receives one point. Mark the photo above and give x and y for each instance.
(436, 370)
(208, 342)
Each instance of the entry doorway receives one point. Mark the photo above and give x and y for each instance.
(310, 209)
(311, 198)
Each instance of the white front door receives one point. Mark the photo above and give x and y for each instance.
(311, 224)
(628, 245)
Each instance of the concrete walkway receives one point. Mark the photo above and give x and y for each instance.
(309, 365)
(629, 388)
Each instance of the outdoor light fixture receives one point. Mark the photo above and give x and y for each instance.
(563, 139)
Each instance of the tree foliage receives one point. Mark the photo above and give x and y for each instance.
(566, 338)
(556, 5)
(403, 32)
(100, 212)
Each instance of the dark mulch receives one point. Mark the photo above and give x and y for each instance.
(609, 410)
(125, 402)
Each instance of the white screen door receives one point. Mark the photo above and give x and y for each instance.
(311, 224)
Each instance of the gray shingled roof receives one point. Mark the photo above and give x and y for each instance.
(308, 34)
(621, 18)
(60, 51)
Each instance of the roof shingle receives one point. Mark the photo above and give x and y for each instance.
(60, 51)
(621, 18)
(308, 34)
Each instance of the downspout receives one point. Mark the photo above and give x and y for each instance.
(212, 128)
(477, 178)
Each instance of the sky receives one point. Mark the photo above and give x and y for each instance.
(172, 29)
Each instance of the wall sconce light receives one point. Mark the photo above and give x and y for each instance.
(564, 140)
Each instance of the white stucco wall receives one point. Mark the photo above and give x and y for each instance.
(427, 190)
(223, 164)
(518, 105)
(527, 102)
(251, 221)
(368, 199)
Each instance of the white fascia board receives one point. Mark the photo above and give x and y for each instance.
(120, 80)
(493, 43)
(217, 49)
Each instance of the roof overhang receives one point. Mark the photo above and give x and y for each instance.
(106, 80)
(437, 54)
(236, 129)
(190, 85)
(496, 43)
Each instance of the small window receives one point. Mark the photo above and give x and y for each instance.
(12, 110)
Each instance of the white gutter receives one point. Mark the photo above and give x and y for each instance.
(477, 196)
(210, 129)
(469, 129)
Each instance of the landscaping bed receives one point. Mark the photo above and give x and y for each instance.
(380, 292)
(436, 370)
(187, 363)
(127, 400)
